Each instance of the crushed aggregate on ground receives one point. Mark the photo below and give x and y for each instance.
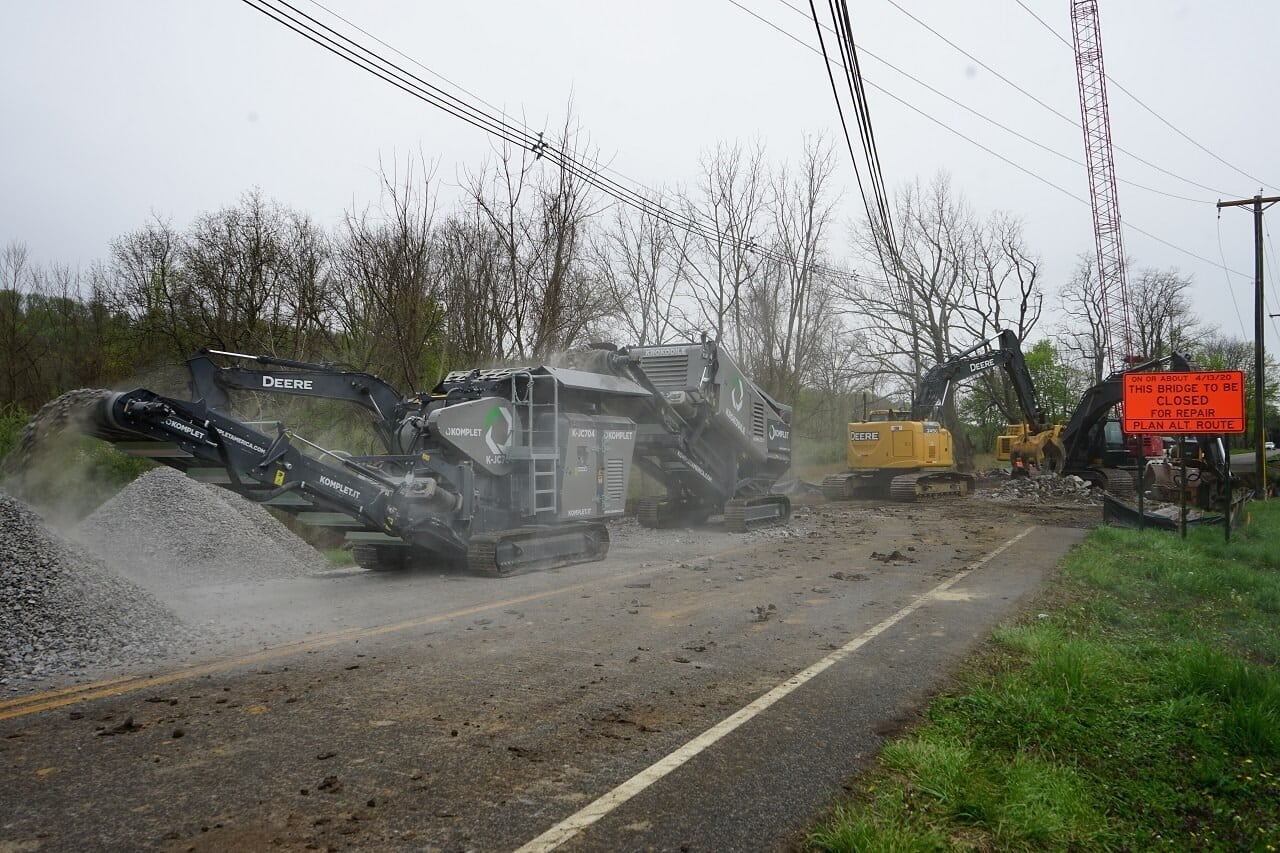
(63, 611)
(166, 529)
(1043, 488)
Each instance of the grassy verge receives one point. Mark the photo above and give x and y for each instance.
(1138, 709)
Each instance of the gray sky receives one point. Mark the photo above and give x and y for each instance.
(114, 110)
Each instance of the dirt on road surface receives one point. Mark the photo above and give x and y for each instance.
(697, 690)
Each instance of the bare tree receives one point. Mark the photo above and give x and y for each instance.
(640, 261)
(389, 292)
(1162, 319)
(1083, 332)
(539, 204)
(144, 280)
(791, 299)
(471, 257)
(732, 197)
(1003, 288)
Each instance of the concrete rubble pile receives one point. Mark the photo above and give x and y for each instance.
(63, 611)
(1044, 489)
(165, 529)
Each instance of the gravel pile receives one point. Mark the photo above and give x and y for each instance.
(165, 529)
(62, 611)
(1046, 488)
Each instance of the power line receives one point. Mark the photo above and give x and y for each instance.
(1227, 275)
(1271, 255)
(501, 110)
(883, 244)
(960, 104)
(1034, 175)
(370, 61)
(1056, 112)
(1142, 104)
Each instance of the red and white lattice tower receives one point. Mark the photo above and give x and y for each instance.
(1096, 121)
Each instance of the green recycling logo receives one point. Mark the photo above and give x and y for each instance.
(498, 413)
(736, 394)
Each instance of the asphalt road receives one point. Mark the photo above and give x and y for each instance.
(696, 691)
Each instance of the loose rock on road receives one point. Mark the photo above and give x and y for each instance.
(433, 711)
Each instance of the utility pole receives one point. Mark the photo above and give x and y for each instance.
(1259, 311)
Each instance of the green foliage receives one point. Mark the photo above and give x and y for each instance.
(12, 420)
(1144, 712)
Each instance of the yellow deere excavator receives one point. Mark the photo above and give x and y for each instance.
(908, 455)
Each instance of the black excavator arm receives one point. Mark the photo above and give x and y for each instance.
(211, 382)
(1003, 351)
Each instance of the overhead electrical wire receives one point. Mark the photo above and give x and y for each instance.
(370, 61)
(866, 128)
(1028, 172)
(1227, 275)
(960, 104)
(885, 248)
(1142, 104)
(1271, 259)
(597, 165)
(1068, 119)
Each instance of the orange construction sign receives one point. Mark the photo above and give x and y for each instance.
(1184, 403)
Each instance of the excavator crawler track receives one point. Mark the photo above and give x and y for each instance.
(1118, 482)
(839, 487)
(510, 552)
(743, 514)
(928, 485)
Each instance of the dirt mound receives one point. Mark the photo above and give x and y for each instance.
(165, 529)
(63, 611)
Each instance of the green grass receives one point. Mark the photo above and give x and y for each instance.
(1143, 712)
(338, 557)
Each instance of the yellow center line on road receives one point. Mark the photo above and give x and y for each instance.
(35, 703)
(580, 820)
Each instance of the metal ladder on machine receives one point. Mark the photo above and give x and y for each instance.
(540, 447)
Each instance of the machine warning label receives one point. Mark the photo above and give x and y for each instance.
(1182, 403)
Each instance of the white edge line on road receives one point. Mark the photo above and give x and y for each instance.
(580, 820)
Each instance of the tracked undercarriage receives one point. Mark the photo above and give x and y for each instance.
(908, 487)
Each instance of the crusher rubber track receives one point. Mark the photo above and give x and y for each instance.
(744, 514)
(923, 485)
(509, 552)
(382, 558)
(659, 512)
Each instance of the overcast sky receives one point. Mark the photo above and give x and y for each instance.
(114, 110)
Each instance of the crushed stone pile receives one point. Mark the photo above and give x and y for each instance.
(165, 529)
(62, 611)
(1046, 489)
